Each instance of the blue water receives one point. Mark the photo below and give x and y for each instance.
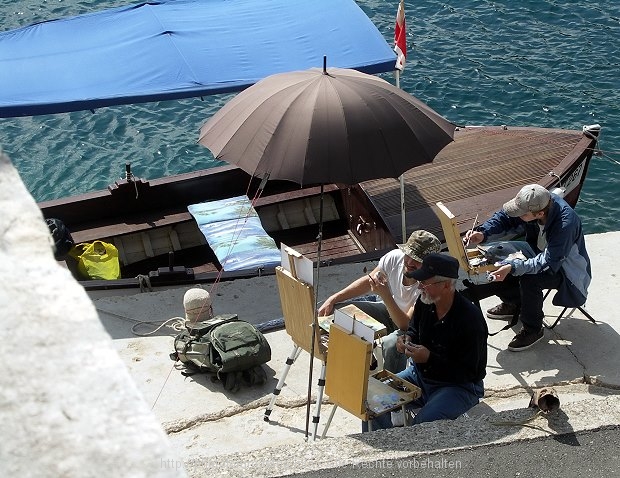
(540, 63)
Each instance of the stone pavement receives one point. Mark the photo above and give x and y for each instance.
(83, 395)
(216, 432)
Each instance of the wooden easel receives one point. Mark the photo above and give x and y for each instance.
(467, 257)
(350, 386)
(297, 300)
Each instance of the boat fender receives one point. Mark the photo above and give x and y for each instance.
(559, 192)
(592, 130)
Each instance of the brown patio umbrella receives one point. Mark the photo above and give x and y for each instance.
(325, 126)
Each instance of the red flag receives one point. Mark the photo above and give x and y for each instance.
(400, 37)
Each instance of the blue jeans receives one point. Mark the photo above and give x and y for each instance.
(439, 400)
(392, 360)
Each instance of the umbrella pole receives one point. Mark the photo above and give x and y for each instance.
(402, 183)
(315, 318)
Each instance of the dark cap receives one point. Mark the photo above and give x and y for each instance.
(437, 265)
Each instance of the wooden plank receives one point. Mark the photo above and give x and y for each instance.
(488, 163)
(297, 300)
(91, 232)
(346, 380)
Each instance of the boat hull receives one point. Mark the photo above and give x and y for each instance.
(158, 239)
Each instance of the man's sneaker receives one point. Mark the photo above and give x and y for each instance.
(503, 311)
(524, 340)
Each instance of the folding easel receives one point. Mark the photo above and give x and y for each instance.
(468, 258)
(297, 300)
(350, 386)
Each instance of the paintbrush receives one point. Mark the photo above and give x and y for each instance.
(471, 230)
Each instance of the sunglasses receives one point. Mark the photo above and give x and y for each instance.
(428, 284)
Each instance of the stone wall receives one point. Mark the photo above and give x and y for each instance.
(68, 406)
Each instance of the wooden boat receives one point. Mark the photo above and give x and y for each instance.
(158, 239)
(148, 221)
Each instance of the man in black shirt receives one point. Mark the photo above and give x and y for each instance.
(447, 344)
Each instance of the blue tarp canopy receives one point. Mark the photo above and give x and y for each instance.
(174, 49)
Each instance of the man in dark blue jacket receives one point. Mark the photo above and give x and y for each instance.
(554, 231)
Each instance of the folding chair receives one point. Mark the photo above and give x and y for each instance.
(570, 314)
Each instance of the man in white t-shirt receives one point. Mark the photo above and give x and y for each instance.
(395, 292)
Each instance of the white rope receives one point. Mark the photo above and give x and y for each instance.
(607, 156)
(177, 324)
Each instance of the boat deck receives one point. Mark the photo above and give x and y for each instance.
(476, 174)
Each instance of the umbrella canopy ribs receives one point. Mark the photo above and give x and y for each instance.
(326, 126)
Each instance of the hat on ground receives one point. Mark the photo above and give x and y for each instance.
(437, 265)
(531, 198)
(420, 244)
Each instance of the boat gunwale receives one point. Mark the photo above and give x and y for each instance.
(581, 151)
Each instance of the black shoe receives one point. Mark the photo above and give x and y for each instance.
(503, 311)
(524, 340)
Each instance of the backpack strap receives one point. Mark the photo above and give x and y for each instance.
(202, 328)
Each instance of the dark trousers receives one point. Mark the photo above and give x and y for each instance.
(531, 286)
(507, 290)
(525, 291)
(439, 400)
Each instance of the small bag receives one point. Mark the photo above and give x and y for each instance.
(63, 242)
(97, 260)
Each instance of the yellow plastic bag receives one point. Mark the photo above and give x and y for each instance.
(97, 260)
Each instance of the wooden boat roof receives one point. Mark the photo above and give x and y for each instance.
(483, 168)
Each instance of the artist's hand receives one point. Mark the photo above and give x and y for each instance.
(418, 353)
(327, 308)
(379, 284)
(472, 238)
(501, 273)
(401, 340)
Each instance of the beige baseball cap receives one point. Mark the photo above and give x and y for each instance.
(531, 198)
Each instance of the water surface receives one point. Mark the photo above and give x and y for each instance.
(539, 63)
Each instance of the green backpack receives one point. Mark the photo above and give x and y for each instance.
(231, 348)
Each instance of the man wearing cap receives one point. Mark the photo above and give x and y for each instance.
(395, 292)
(447, 343)
(554, 231)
